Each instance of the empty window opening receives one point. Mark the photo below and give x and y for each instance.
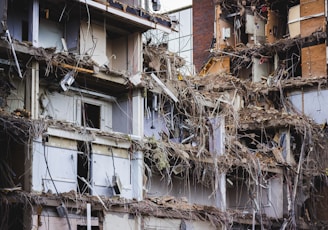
(90, 115)
(24, 30)
(82, 227)
(83, 166)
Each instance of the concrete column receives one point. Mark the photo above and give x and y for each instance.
(34, 23)
(35, 91)
(138, 114)
(217, 148)
(137, 172)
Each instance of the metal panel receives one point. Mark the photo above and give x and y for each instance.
(103, 170)
(60, 163)
(312, 104)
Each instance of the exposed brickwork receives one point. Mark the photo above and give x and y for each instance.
(203, 30)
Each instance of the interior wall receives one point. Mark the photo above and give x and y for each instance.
(271, 199)
(311, 103)
(194, 192)
(121, 221)
(154, 124)
(151, 223)
(16, 16)
(72, 34)
(53, 106)
(135, 58)
(122, 117)
(119, 49)
(50, 34)
(16, 99)
(261, 69)
(93, 42)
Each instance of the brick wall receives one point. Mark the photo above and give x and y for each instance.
(203, 30)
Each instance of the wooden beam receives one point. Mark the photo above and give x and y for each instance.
(75, 68)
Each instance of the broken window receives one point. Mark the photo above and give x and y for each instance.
(90, 115)
(83, 166)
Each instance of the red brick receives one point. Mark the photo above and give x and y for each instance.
(203, 30)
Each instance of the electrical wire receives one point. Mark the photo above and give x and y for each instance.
(53, 183)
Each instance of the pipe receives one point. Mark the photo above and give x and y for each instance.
(88, 216)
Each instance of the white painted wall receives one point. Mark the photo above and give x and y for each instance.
(312, 103)
(121, 221)
(55, 108)
(195, 193)
(122, 116)
(93, 42)
(152, 223)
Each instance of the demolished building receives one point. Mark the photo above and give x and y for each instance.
(100, 130)
(248, 134)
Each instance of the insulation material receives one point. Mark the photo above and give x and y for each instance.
(217, 65)
(314, 61)
(106, 150)
(272, 27)
(161, 224)
(61, 142)
(313, 16)
(93, 42)
(224, 32)
(294, 24)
